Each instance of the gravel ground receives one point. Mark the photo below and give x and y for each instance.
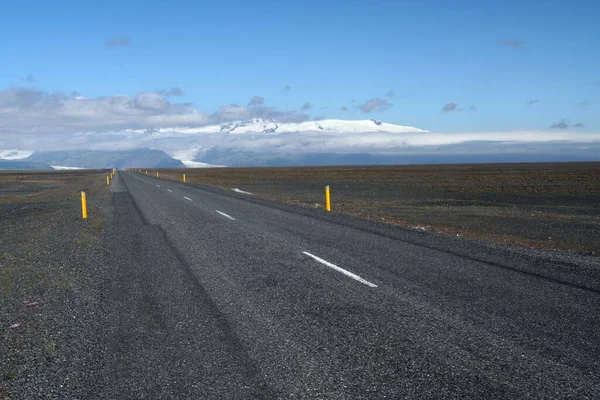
(110, 308)
(540, 205)
(46, 258)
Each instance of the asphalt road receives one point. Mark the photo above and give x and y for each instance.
(222, 295)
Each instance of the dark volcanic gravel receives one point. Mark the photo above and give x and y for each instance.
(554, 206)
(46, 254)
(155, 296)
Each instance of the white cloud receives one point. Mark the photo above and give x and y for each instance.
(374, 104)
(176, 140)
(174, 91)
(151, 101)
(256, 101)
(31, 111)
(449, 107)
(24, 110)
(36, 120)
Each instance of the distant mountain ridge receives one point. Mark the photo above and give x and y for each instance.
(266, 141)
(188, 146)
(18, 165)
(107, 159)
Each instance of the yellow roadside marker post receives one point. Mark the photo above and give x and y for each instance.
(146, 172)
(83, 206)
(327, 199)
(107, 180)
(157, 174)
(183, 178)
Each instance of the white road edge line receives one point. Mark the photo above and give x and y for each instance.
(169, 190)
(225, 215)
(343, 271)
(187, 198)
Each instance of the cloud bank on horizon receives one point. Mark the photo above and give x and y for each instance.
(36, 120)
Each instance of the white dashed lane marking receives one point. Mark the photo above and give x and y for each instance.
(225, 215)
(341, 270)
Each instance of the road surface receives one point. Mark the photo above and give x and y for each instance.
(222, 295)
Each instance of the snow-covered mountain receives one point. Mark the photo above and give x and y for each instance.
(190, 144)
(326, 125)
(14, 154)
(258, 125)
(194, 146)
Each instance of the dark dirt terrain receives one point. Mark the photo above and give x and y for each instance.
(44, 249)
(553, 206)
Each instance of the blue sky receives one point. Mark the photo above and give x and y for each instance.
(490, 58)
